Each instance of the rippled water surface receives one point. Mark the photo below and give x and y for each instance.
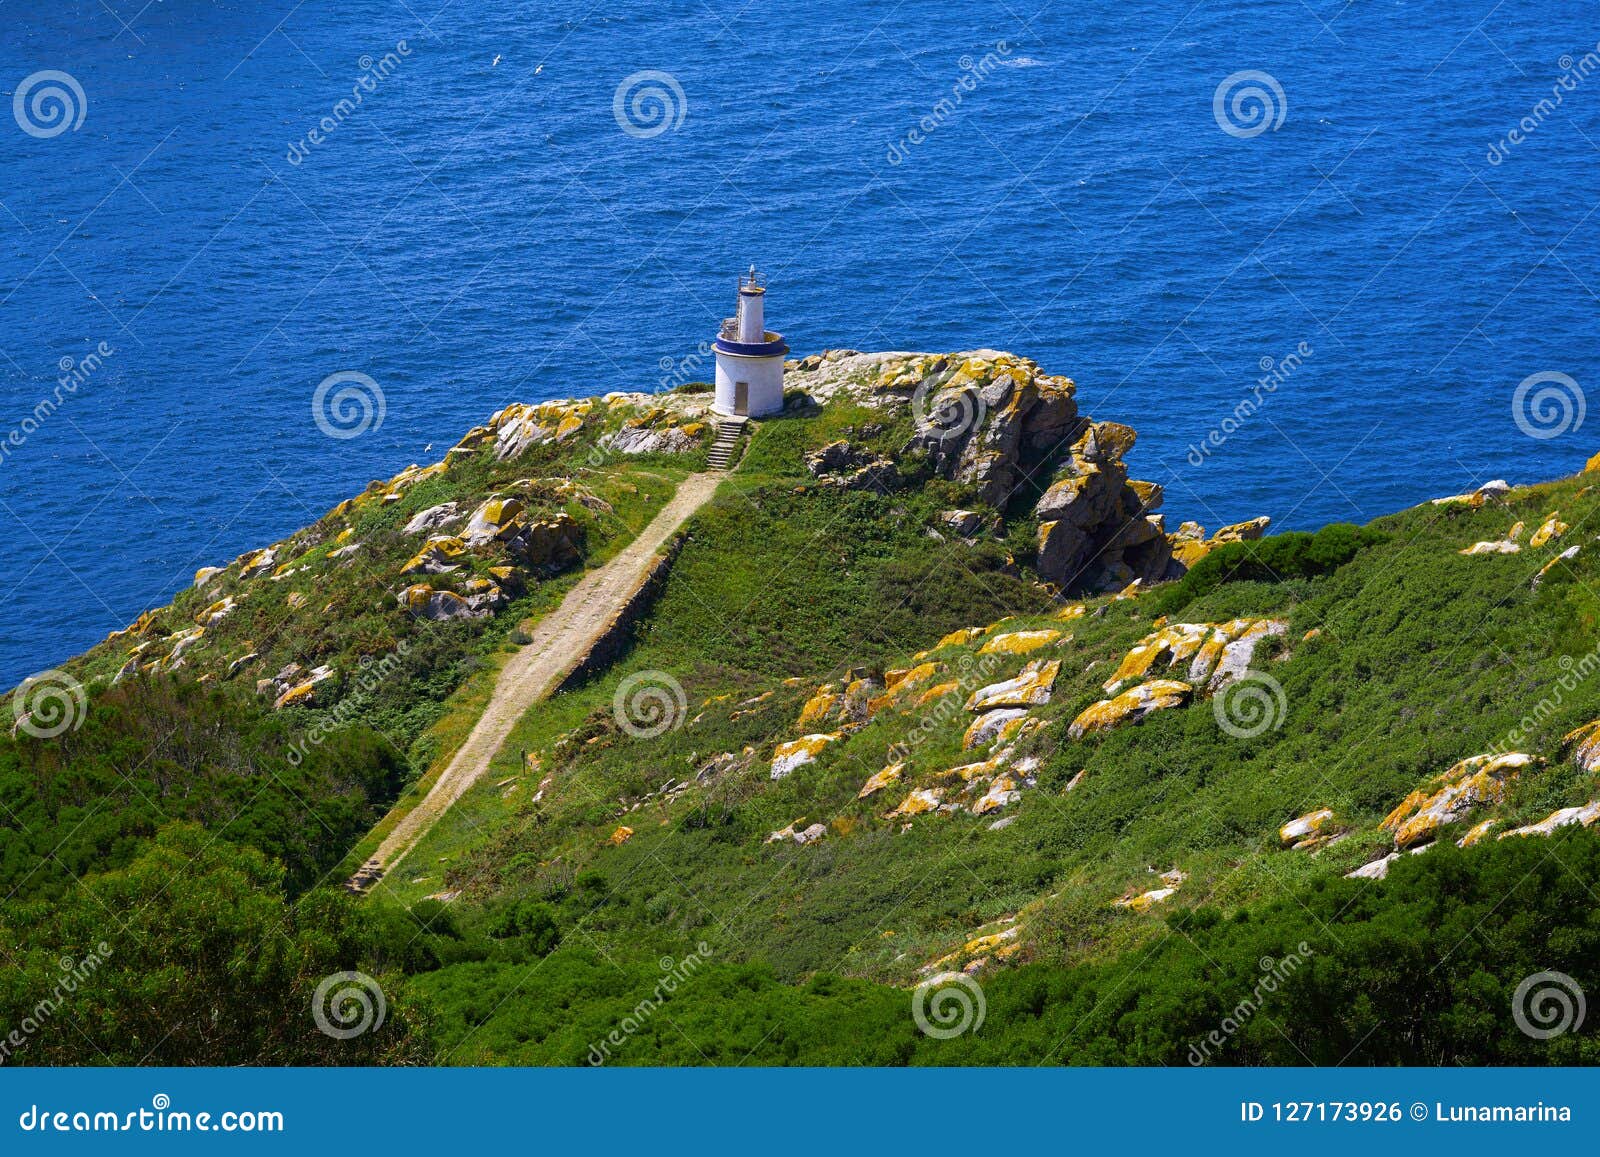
(480, 228)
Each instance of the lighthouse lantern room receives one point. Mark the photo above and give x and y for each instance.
(749, 356)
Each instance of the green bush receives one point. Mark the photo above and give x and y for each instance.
(1278, 558)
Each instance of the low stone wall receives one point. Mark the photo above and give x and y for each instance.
(614, 640)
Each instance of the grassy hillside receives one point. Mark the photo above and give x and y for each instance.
(788, 826)
(1400, 657)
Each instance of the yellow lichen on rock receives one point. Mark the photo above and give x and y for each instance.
(441, 555)
(1497, 546)
(1002, 791)
(1029, 688)
(881, 779)
(918, 802)
(817, 707)
(1019, 642)
(1313, 827)
(898, 684)
(1585, 743)
(1133, 704)
(1218, 652)
(971, 771)
(799, 752)
(1137, 901)
(987, 727)
(494, 518)
(1551, 529)
(960, 638)
(1584, 815)
(1470, 783)
(300, 694)
(215, 613)
(140, 626)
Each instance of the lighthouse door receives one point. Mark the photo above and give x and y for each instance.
(741, 399)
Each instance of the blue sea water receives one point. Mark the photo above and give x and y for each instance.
(488, 224)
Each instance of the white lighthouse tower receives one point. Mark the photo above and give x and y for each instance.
(749, 356)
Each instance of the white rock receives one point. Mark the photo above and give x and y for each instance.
(433, 518)
(1376, 870)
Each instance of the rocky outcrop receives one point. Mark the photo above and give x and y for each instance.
(1311, 830)
(851, 467)
(996, 423)
(796, 753)
(434, 518)
(1583, 816)
(1130, 706)
(546, 545)
(918, 802)
(1549, 530)
(881, 779)
(984, 418)
(1498, 488)
(1473, 782)
(1585, 744)
(1097, 529)
(794, 833)
(1029, 688)
(437, 606)
(294, 686)
(962, 523)
(992, 726)
(657, 431)
(441, 555)
(1190, 544)
(494, 519)
(1137, 901)
(1214, 654)
(1019, 642)
(1377, 870)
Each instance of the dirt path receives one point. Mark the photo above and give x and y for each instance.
(560, 640)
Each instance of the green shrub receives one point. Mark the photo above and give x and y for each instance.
(1297, 554)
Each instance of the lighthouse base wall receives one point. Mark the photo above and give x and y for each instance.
(762, 392)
